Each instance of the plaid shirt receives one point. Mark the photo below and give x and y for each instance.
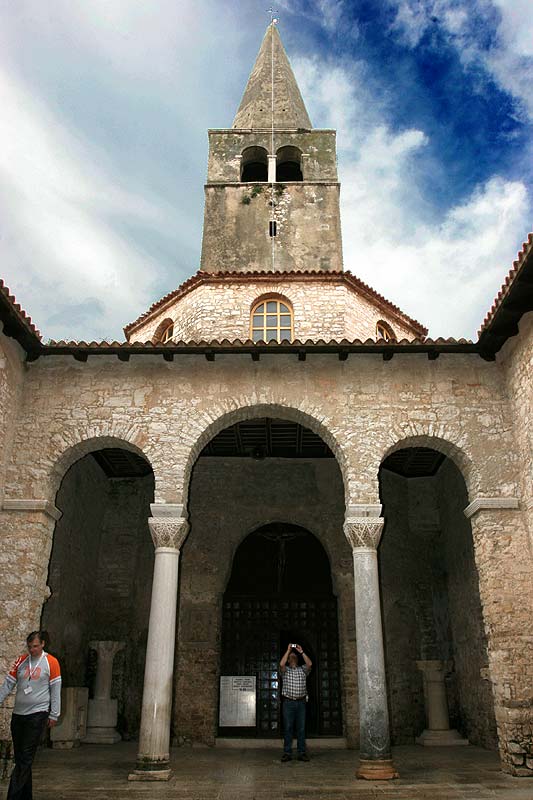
(294, 682)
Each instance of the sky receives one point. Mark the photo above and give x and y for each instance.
(103, 145)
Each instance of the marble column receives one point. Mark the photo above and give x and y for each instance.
(438, 732)
(168, 534)
(272, 169)
(363, 534)
(102, 711)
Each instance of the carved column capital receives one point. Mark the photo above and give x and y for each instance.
(168, 532)
(363, 531)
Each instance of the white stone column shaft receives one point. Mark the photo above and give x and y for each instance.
(364, 534)
(272, 169)
(154, 741)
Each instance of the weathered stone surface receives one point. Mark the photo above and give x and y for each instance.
(224, 312)
(272, 73)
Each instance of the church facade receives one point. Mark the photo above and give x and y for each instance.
(278, 453)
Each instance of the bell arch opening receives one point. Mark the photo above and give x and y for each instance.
(99, 575)
(254, 165)
(261, 487)
(432, 613)
(288, 164)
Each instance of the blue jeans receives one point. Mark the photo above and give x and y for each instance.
(293, 717)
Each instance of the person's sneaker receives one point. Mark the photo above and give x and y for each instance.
(286, 757)
(303, 757)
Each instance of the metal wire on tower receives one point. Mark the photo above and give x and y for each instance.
(272, 223)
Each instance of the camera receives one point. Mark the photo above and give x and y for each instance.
(294, 646)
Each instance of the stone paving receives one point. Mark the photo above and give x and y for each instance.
(100, 772)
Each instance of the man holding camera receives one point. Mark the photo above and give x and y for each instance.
(294, 692)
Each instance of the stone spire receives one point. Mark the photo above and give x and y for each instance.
(255, 110)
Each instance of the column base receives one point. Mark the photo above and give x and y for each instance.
(150, 775)
(449, 738)
(102, 736)
(381, 769)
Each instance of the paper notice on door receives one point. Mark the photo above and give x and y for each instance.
(237, 701)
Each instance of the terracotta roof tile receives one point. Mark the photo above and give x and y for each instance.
(22, 316)
(236, 344)
(518, 265)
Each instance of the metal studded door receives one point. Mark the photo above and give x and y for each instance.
(256, 632)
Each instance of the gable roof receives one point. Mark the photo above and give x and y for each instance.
(272, 77)
(222, 278)
(17, 324)
(514, 299)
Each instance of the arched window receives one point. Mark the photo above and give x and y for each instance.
(384, 331)
(254, 164)
(288, 164)
(271, 319)
(168, 333)
(164, 331)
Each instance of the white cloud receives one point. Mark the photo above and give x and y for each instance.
(65, 206)
(444, 273)
(57, 196)
(509, 59)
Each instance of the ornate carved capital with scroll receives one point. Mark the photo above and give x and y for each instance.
(363, 531)
(168, 532)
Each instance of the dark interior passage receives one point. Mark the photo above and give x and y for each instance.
(280, 592)
(430, 596)
(100, 574)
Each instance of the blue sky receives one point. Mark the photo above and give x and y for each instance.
(103, 145)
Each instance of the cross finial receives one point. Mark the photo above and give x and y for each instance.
(273, 16)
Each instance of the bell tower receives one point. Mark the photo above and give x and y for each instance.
(272, 192)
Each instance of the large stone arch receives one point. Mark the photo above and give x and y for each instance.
(203, 429)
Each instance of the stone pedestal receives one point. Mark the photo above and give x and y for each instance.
(438, 732)
(102, 713)
(364, 534)
(153, 759)
(72, 726)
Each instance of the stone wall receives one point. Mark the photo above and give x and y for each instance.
(473, 714)
(516, 358)
(226, 148)
(11, 382)
(236, 227)
(322, 310)
(168, 411)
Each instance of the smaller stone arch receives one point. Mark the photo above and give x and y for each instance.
(288, 164)
(75, 452)
(443, 443)
(270, 296)
(254, 165)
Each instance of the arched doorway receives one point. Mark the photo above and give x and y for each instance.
(100, 573)
(279, 592)
(430, 595)
(251, 477)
